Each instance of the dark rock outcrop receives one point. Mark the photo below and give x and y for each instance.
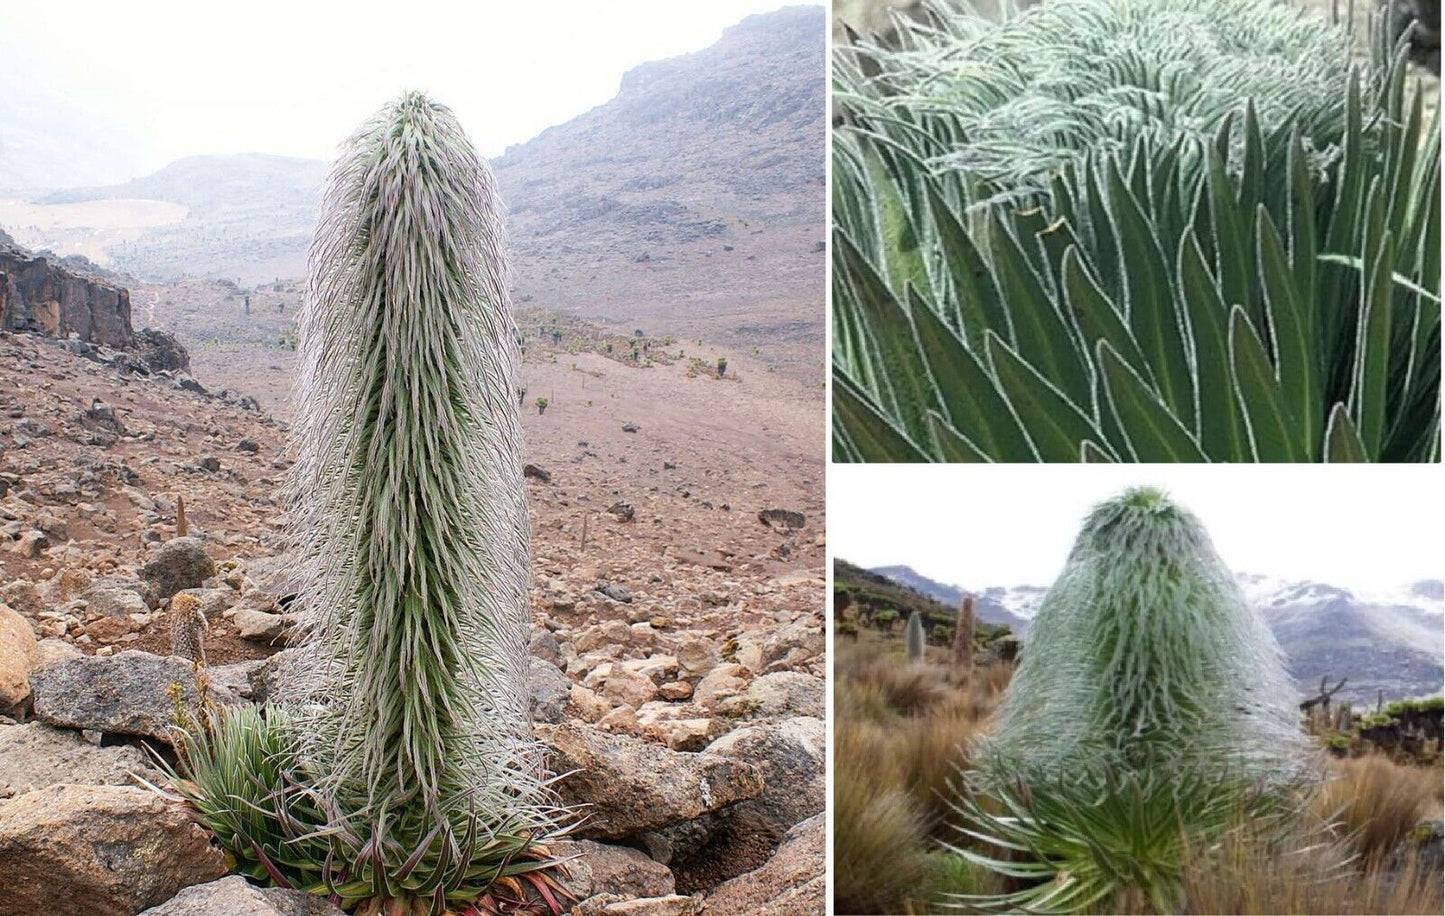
(38, 293)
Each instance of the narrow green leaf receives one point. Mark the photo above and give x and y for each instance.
(874, 437)
(970, 396)
(1293, 339)
(1234, 257)
(953, 444)
(1155, 433)
(1039, 328)
(1152, 315)
(1342, 441)
(1259, 394)
(1372, 367)
(974, 295)
(1055, 424)
(903, 385)
(1222, 432)
(1097, 317)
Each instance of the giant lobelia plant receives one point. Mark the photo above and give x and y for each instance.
(401, 775)
(1151, 711)
(1134, 230)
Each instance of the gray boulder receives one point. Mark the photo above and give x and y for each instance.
(630, 786)
(597, 868)
(550, 689)
(128, 693)
(181, 563)
(115, 602)
(35, 755)
(234, 896)
(99, 851)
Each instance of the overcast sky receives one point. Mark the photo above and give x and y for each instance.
(1362, 527)
(295, 77)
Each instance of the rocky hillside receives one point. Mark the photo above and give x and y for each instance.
(1381, 642)
(994, 605)
(678, 638)
(692, 203)
(55, 298)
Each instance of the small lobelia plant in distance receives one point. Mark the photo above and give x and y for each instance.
(401, 775)
(913, 639)
(1150, 714)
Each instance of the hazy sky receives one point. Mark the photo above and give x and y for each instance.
(1361, 527)
(295, 77)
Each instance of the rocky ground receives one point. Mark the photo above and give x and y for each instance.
(678, 636)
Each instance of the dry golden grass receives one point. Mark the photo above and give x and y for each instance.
(902, 733)
(899, 738)
(1304, 874)
(1377, 802)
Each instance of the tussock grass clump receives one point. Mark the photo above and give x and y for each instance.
(1376, 803)
(402, 775)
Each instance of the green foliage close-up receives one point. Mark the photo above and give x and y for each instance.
(400, 773)
(1134, 230)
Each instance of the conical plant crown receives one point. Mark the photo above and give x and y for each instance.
(1145, 657)
(1150, 716)
(913, 639)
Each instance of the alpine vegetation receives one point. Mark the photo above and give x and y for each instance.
(402, 775)
(913, 639)
(1151, 710)
(1134, 230)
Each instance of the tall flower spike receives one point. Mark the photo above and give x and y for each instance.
(409, 509)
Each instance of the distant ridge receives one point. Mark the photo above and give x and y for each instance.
(1390, 642)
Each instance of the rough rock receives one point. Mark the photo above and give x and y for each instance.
(161, 351)
(616, 905)
(129, 583)
(597, 868)
(726, 680)
(127, 693)
(621, 684)
(792, 757)
(39, 294)
(791, 883)
(244, 679)
(99, 851)
(259, 626)
(19, 655)
(550, 691)
(234, 896)
(35, 755)
(782, 694)
(114, 602)
(180, 564)
(632, 786)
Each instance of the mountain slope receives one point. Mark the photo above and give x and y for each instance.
(993, 605)
(1390, 642)
(692, 203)
(249, 217)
